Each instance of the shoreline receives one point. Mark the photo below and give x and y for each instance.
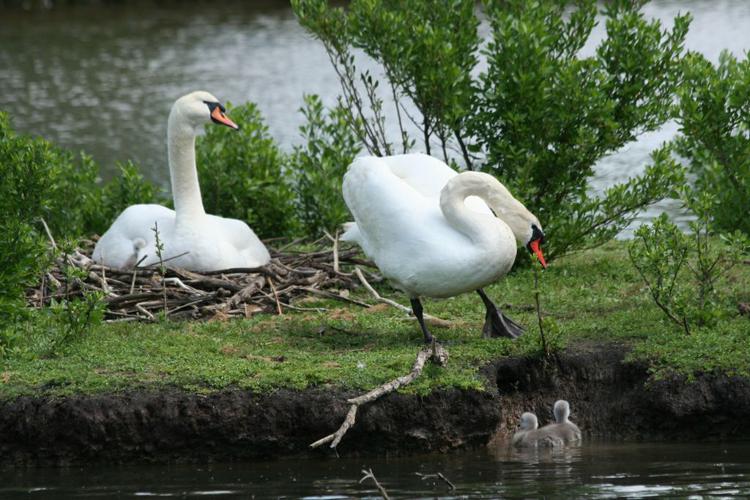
(610, 398)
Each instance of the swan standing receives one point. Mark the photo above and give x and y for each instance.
(192, 239)
(529, 436)
(563, 428)
(436, 233)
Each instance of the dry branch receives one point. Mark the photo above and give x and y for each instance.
(368, 474)
(434, 352)
(438, 475)
(131, 294)
(427, 317)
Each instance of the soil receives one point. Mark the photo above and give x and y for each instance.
(610, 398)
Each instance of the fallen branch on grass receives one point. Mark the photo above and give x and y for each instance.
(434, 352)
(432, 320)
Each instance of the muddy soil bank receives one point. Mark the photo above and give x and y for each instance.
(611, 398)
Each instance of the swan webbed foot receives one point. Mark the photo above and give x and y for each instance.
(416, 308)
(497, 324)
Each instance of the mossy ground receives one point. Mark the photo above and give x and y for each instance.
(591, 296)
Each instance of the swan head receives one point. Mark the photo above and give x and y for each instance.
(561, 411)
(525, 226)
(528, 422)
(198, 108)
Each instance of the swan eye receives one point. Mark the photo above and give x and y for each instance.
(213, 105)
(537, 234)
(493, 212)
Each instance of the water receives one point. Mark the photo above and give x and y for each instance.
(101, 77)
(595, 470)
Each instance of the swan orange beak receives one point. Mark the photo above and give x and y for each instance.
(536, 249)
(218, 116)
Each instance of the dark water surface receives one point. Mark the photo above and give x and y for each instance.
(102, 77)
(595, 470)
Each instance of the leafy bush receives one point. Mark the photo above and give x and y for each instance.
(714, 115)
(242, 175)
(73, 317)
(40, 180)
(108, 201)
(546, 115)
(21, 256)
(539, 116)
(683, 271)
(319, 166)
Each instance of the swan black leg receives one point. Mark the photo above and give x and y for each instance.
(497, 324)
(416, 308)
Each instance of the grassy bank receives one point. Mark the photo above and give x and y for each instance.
(591, 296)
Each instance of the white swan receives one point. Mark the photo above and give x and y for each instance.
(563, 428)
(529, 436)
(192, 239)
(432, 231)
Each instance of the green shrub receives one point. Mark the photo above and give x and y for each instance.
(546, 115)
(683, 272)
(714, 117)
(108, 201)
(73, 317)
(22, 252)
(428, 49)
(319, 166)
(539, 116)
(40, 180)
(242, 175)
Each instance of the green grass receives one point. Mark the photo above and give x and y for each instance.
(591, 296)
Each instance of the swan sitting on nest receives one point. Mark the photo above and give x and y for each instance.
(192, 239)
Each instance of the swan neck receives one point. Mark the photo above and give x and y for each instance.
(452, 203)
(562, 412)
(183, 173)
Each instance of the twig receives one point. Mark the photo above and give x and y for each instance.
(335, 240)
(132, 283)
(49, 233)
(154, 265)
(440, 476)
(335, 438)
(105, 285)
(326, 293)
(368, 474)
(434, 352)
(275, 296)
(290, 244)
(427, 317)
(144, 311)
(293, 275)
(539, 311)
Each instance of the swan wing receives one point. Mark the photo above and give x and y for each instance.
(428, 176)
(404, 232)
(131, 234)
(241, 247)
(425, 174)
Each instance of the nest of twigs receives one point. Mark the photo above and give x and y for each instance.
(143, 293)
